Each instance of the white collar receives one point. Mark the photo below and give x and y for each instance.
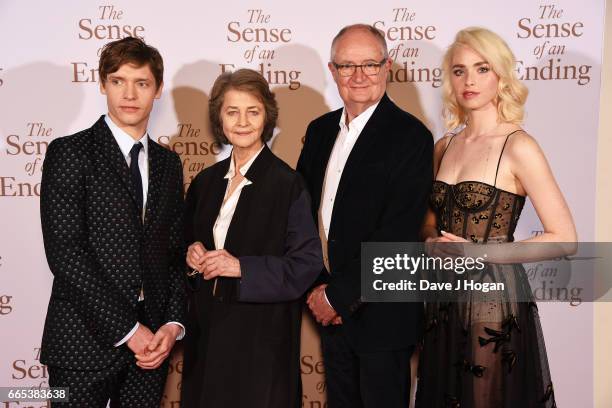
(243, 170)
(358, 122)
(124, 140)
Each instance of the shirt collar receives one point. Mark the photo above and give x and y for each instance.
(124, 140)
(359, 122)
(243, 170)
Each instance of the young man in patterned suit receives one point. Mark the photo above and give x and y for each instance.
(111, 211)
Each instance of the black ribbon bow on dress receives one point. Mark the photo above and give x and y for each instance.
(550, 393)
(499, 337)
(433, 322)
(443, 312)
(451, 401)
(511, 322)
(509, 357)
(477, 370)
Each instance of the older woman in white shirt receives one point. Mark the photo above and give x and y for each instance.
(254, 251)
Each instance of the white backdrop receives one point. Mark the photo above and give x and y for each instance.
(48, 88)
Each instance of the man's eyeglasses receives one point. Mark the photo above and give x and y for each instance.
(369, 68)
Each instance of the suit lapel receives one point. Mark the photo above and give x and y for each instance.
(157, 171)
(236, 237)
(236, 229)
(363, 146)
(327, 145)
(114, 157)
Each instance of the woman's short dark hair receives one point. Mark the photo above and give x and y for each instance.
(246, 80)
(130, 50)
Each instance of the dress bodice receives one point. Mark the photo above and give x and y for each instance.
(476, 211)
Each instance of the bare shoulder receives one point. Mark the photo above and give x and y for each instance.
(442, 143)
(439, 149)
(523, 147)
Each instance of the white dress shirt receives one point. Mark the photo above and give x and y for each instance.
(347, 136)
(345, 141)
(226, 213)
(125, 142)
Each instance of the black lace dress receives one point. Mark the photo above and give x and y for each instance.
(486, 350)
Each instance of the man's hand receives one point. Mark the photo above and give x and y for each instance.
(321, 310)
(159, 347)
(220, 263)
(140, 340)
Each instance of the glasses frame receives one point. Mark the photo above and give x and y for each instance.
(360, 66)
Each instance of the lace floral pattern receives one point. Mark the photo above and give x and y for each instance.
(485, 351)
(475, 210)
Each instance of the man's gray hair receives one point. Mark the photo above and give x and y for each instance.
(378, 34)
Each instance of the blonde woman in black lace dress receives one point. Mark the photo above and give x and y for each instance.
(487, 352)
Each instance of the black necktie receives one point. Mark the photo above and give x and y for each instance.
(135, 174)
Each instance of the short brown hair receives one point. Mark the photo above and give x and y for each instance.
(130, 50)
(245, 80)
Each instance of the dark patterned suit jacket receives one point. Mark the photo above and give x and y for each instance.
(101, 253)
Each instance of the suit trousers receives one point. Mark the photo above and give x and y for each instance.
(356, 379)
(123, 383)
(125, 386)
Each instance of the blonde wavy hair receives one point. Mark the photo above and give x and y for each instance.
(511, 93)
